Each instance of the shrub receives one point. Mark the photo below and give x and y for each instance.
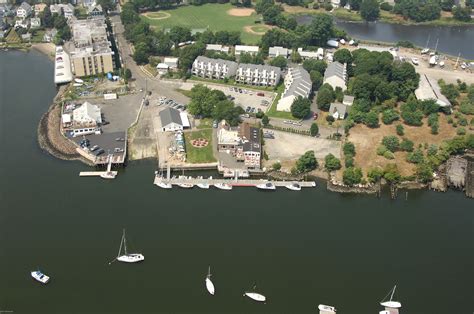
(415, 157)
(461, 131)
(381, 150)
(389, 155)
(276, 166)
(391, 142)
(352, 176)
(331, 163)
(314, 129)
(374, 175)
(467, 108)
(386, 6)
(306, 162)
(400, 129)
(349, 149)
(328, 7)
(348, 161)
(406, 145)
(389, 115)
(330, 119)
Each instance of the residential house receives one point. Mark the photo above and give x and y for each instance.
(277, 51)
(213, 68)
(306, 54)
(171, 62)
(259, 75)
(35, 22)
(49, 35)
(26, 37)
(23, 23)
(162, 68)
(24, 10)
(86, 3)
(428, 89)
(95, 10)
(297, 83)
(218, 48)
(252, 146)
(338, 111)
(66, 9)
(253, 50)
(173, 120)
(39, 7)
(336, 75)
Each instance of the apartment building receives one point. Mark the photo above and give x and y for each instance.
(256, 74)
(214, 68)
(239, 49)
(336, 75)
(24, 10)
(93, 53)
(297, 83)
(277, 51)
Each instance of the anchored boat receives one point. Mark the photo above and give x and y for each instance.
(293, 186)
(390, 303)
(266, 186)
(203, 185)
(127, 257)
(255, 295)
(223, 186)
(209, 285)
(186, 185)
(164, 185)
(40, 277)
(327, 308)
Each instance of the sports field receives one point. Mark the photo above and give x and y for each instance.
(216, 17)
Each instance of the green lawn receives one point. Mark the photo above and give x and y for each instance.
(199, 155)
(212, 15)
(272, 112)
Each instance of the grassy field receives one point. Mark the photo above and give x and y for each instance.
(214, 16)
(199, 155)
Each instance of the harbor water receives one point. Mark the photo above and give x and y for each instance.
(300, 248)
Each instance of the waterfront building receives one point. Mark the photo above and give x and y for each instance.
(93, 53)
(277, 51)
(62, 65)
(257, 74)
(24, 10)
(87, 114)
(213, 68)
(173, 120)
(336, 75)
(297, 83)
(228, 138)
(218, 48)
(252, 146)
(428, 89)
(253, 50)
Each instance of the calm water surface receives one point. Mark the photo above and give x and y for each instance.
(301, 249)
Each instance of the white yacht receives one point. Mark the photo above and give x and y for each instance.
(40, 277)
(223, 186)
(164, 185)
(127, 257)
(390, 304)
(203, 185)
(186, 185)
(209, 285)
(425, 51)
(266, 186)
(327, 308)
(293, 186)
(255, 296)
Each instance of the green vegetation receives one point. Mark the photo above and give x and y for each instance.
(276, 166)
(273, 112)
(314, 129)
(331, 163)
(370, 10)
(306, 162)
(301, 107)
(202, 154)
(352, 176)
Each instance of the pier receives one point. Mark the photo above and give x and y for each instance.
(108, 174)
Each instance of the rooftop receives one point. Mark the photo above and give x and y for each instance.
(170, 115)
(335, 69)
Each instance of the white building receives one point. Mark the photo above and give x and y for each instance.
(428, 89)
(67, 9)
(24, 10)
(277, 51)
(162, 68)
(306, 54)
(171, 62)
(338, 111)
(297, 83)
(218, 48)
(256, 74)
(253, 50)
(35, 22)
(213, 68)
(87, 114)
(172, 120)
(23, 23)
(336, 75)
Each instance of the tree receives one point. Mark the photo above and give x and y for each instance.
(265, 120)
(127, 74)
(141, 54)
(447, 5)
(400, 129)
(47, 18)
(262, 5)
(306, 162)
(316, 65)
(406, 145)
(349, 149)
(179, 34)
(314, 129)
(107, 5)
(331, 163)
(279, 62)
(415, 157)
(391, 142)
(389, 115)
(320, 30)
(370, 10)
(372, 119)
(343, 56)
(391, 173)
(300, 107)
(316, 78)
(424, 172)
(352, 176)
(295, 56)
(374, 175)
(271, 14)
(325, 97)
(276, 166)
(355, 4)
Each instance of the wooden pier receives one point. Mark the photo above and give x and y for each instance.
(232, 182)
(96, 173)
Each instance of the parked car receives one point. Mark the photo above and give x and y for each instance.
(94, 148)
(214, 124)
(260, 94)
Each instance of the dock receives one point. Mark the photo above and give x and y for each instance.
(108, 174)
(233, 182)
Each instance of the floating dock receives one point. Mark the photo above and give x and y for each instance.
(96, 173)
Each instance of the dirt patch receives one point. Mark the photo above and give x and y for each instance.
(367, 140)
(257, 29)
(241, 12)
(157, 15)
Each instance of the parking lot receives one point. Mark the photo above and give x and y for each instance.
(103, 145)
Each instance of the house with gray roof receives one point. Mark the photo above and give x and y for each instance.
(213, 68)
(338, 111)
(336, 75)
(277, 51)
(24, 10)
(257, 74)
(297, 83)
(173, 120)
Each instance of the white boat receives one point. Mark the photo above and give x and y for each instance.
(223, 186)
(77, 84)
(255, 296)
(108, 175)
(433, 61)
(266, 186)
(209, 285)
(425, 51)
(164, 185)
(40, 277)
(342, 41)
(127, 257)
(186, 185)
(352, 42)
(293, 186)
(441, 64)
(391, 304)
(415, 61)
(79, 81)
(203, 185)
(327, 308)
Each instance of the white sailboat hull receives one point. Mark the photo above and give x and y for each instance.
(266, 186)
(255, 296)
(186, 185)
(327, 308)
(391, 304)
(223, 186)
(164, 185)
(293, 187)
(204, 186)
(210, 286)
(131, 258)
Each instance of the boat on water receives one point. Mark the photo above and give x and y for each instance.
(255, 296)
(127, 257)
(186, 185)
(327, 308)
(203, 185)
(293, 186)
(40, 277)
(390, 304)
(209, 285)
(223, 186)
(164, 185)
(266, 186)
(108, 175)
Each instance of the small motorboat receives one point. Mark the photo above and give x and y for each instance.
(415, 61)
(40, 277)
(293, 186)
(223, 186)
(108, 175)
(327, 308)
(79, 81)
(186, 185)
(203, 185)
(266, 186)
(209, 285)
(342, 41)
(164, 185)
(425, 51)
(255, 296)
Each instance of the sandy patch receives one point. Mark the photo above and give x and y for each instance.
(240, 12)
(157, 15)
(249, 29)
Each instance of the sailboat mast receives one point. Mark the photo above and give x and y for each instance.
(393, 292)
(125, 242)
(120, 248)
(436, 47)
(209, 272)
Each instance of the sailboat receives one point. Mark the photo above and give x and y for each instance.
(426, 50)
(127, 258)
(391, 304)
(255, 296)
(209, 285)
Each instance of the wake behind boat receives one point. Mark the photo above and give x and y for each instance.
(209, 285)
(40, 277)
(127, 258)
(390, 304)
(266, 186)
